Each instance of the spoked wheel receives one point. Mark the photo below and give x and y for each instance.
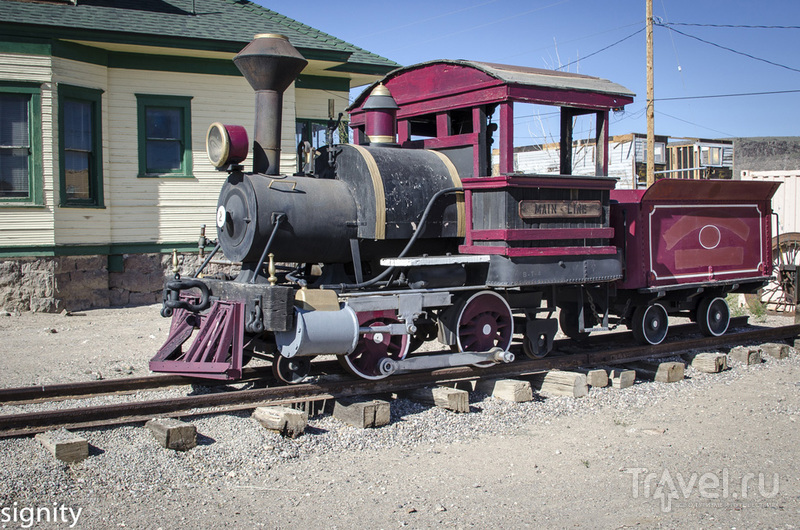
(780, 295)
(650, 324)
(713, 316)
(484, 322)
(372, 348)
(290, 371)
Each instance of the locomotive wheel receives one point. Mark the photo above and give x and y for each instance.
(365, 360)
(568, 321)
(780, 295)
(713, 316)
(650, 324)
(290, 371)
(484, 322)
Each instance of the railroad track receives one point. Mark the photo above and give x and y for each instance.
(22, 424)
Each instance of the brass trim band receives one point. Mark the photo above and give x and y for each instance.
(377, 186)
(381, 139)
(451, 168)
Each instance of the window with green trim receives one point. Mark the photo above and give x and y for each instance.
(20, 143)
(80, 146)
(165, 135)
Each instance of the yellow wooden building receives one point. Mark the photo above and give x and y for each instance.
(104, 108)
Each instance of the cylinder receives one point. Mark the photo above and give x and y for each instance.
(320, 332)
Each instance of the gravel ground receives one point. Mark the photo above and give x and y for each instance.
(655, 455)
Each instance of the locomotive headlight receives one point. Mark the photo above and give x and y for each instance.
(226, 144)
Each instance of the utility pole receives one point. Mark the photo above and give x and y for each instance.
(651, 131)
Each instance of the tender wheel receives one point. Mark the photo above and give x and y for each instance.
(372, 348)
(713, 316)
(290, 371)
(568, 321)
(539, 351)
(650, 324)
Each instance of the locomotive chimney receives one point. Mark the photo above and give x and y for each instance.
(270, 64)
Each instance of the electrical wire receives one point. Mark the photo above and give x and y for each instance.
(729, 49)
(602, 49)
(695, 124)
(771, 92)
(737, 26)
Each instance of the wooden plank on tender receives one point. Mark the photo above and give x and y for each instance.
(442, 397)
(561, 383)
(665, 372)
(284, 420)
(506, 389)
(65, 445)
(595, 377)
(362, 414)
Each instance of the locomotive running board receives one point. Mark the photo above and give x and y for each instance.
(217, 349)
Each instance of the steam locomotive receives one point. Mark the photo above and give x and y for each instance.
(410, 235)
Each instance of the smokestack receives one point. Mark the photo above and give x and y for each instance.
(270, 64)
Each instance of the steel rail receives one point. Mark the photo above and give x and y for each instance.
(30, 423)
(64, 391)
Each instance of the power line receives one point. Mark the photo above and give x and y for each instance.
(738, 26)
(730, 95)
(602, 49)
(695, 124)
(729, 49)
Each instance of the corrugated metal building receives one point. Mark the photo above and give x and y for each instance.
(104, 109)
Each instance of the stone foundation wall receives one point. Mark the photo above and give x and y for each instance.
(75, 283)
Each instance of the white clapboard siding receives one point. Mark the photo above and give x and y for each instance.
(140, 210)
(26, 226)
(77, 226)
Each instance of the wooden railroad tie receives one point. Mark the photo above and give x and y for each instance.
(561, 383)
(172, 433)
(660, 372)
(64, 445)
(710, 363)
(512, 390)
(286, 421)
(440, 396)
(595, 377)
(363, 414)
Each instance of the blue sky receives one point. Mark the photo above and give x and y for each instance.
(553, 33)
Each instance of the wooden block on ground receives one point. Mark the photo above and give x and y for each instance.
(666, 372)
(710, 363)
(362, 414)
(621, 378)
(506, 389)
(596, 377)
(283, 420)
(65, 446)
(561, 383)
(777, 350)
(443, 397)
(172, 433)
(745, 354)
